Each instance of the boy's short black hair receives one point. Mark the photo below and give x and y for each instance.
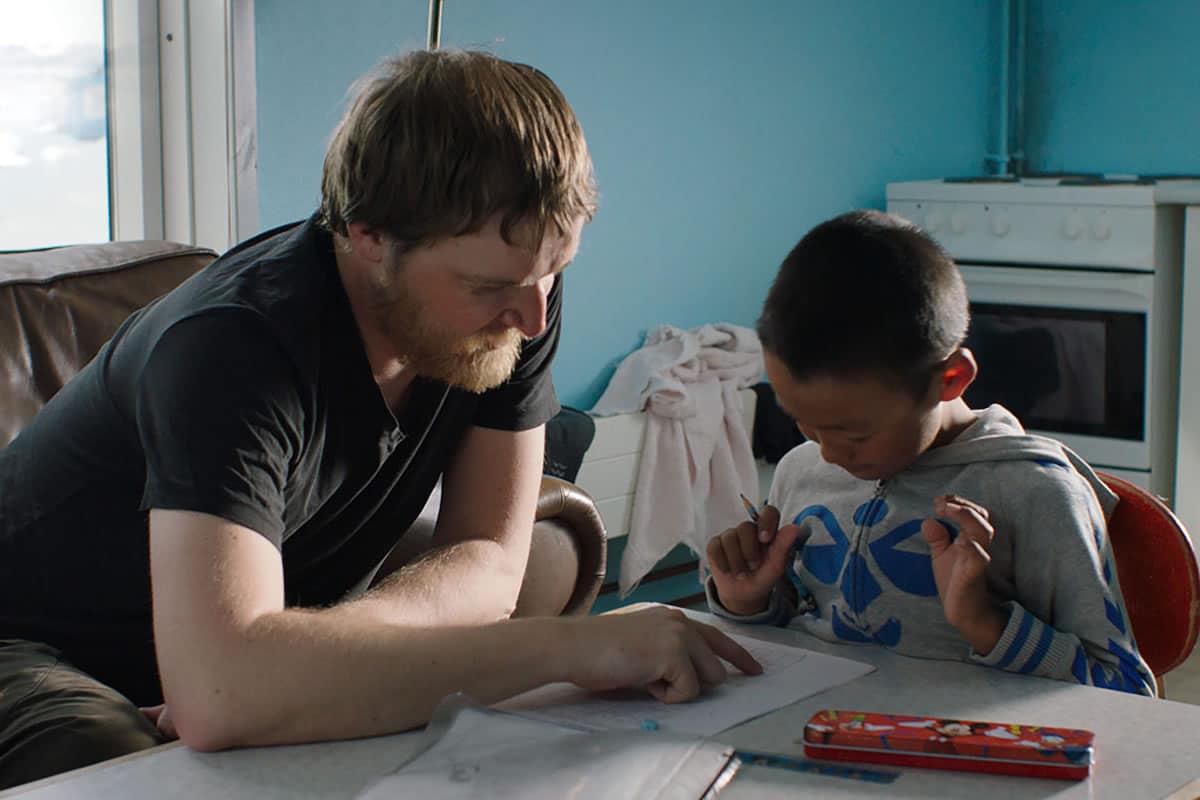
(866, 294)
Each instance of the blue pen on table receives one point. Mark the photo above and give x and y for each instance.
(779, 761)
(796, 764)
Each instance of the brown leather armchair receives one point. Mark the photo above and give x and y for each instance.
(58, 306)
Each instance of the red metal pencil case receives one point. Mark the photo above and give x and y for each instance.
(959, 744)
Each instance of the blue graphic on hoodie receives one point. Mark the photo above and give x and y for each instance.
(910, 572)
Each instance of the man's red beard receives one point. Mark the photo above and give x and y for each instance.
(477, 363)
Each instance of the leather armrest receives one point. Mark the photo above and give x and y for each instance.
(568, 555)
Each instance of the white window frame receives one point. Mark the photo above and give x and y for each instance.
(183, 136)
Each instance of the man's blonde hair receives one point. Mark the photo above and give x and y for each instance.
(435, 143)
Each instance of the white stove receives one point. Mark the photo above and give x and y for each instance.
(1074, 283)
(1088, 221)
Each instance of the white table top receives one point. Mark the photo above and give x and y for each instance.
(1145, 748)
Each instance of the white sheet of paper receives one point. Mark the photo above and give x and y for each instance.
(789, 674)
(484, 754)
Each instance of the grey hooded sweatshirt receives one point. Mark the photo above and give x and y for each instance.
(862, 570)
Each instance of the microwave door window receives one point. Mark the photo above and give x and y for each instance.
(1061, 370)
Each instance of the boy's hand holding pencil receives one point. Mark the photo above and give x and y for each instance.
(748, 560)
(750, 509)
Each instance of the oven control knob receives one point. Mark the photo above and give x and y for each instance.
(1073, 225)
(933, 221)
(959, 222)
(1000, 225)
(1101, 228)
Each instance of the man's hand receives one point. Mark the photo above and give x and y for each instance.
(958, 571)
(659, 648)
(747, 561)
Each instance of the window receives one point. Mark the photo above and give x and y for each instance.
(126, 119)
(53, 124)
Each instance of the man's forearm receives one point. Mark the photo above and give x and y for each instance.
(466, 583)
(298, 676)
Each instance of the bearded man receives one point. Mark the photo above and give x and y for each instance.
(190, 530)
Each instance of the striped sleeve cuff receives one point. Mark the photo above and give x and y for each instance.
(780, 609)
(1029, 646)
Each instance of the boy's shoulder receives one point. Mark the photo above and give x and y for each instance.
(1012, 476)
(1002, 455)
(804, 463)
(803, 471)
(1010, 456)
(1031, 493)
(800, 455)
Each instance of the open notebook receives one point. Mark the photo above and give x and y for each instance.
(475, 752)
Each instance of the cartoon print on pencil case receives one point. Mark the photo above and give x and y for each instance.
(949, 728)
(857, 722)
(910, 572)
(1049, 743)
(1022, 735)
(941, 731)
(947, 736)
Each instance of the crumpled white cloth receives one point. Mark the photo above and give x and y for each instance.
(696, 451)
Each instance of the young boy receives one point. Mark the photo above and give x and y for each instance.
(912, 520)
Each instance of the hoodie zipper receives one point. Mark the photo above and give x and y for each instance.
(860, 538)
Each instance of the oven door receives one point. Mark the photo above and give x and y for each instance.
(1066, 351)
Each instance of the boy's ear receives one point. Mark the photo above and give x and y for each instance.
(958, 372)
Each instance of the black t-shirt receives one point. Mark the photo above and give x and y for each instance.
(245, 393)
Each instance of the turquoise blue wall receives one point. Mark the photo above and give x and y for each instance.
(721, 131)
(307, 53)
(1113, 86)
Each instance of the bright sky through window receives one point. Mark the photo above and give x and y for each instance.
(54, 186)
